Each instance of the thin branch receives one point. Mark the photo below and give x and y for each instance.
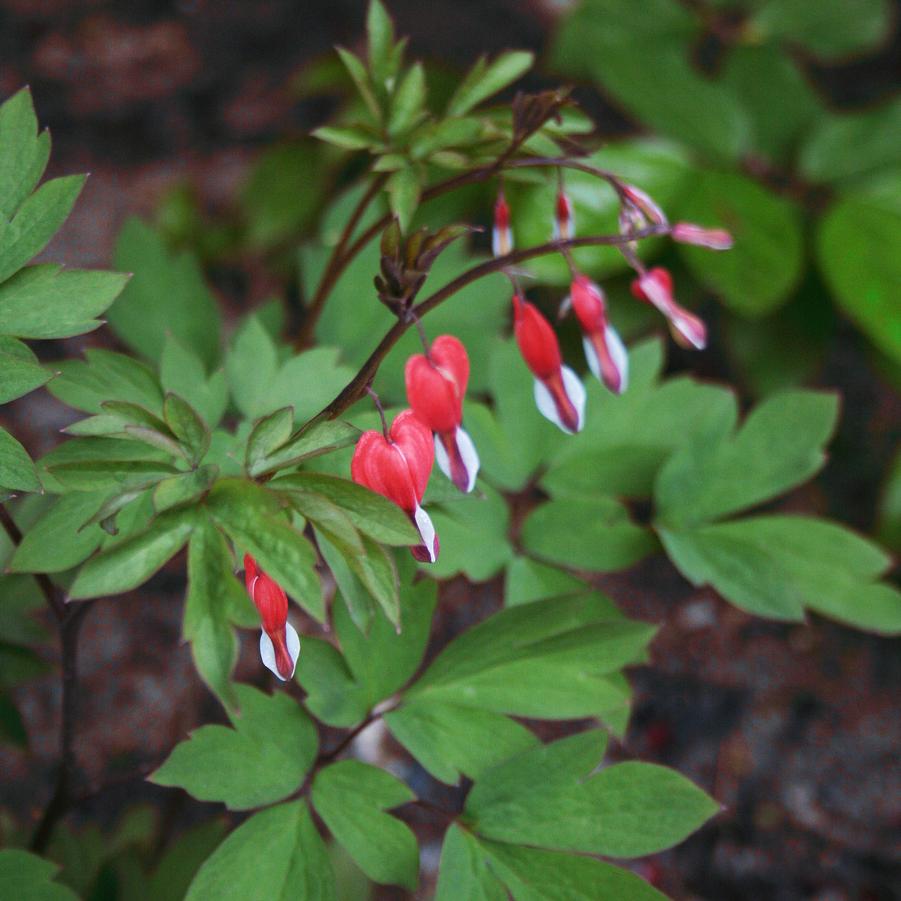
(336, 263)
(355, 389)
(329, 756)
(342, 256)
(48, 589)
(63, 795)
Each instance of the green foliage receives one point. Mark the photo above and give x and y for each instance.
(166, 296)
(263, 759)
(351, 798)
(16, 469)
(30, 878)
(763, 268)
(276, 854)
(859, 248)
(548, 797)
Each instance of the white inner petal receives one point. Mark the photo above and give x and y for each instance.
(441, 457)
(544, 400)
(267, 652)
(426, 531)
(469, 455)
(293, 644)
(619, 355)
(591, 356)
(576, 391)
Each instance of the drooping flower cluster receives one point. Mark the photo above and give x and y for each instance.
(559, 394)
(396, 462)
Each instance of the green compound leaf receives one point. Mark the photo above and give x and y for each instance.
(371, 513)
(264, 758)
(527, 580)
(532, 874)
(23, 151)
(47, 301)
(781, 103)
(451, 740)
(253, 517)
(134, 560)
(552, 659)
(342, 689)
(103, 376)
(261, 384)
(829, 28)
(182, 372)
(852, 144)
(485, 79)
(780, 444)
(27, 877)
(473, 533)
(20, 371)
(351, 798)
(595, 534)
(859, 254)
(548, 797)
(16, 469)
(166, 296)
(214, 596)
(775, 566)
(277, 854)
(59, 539)
(628, 438)
(464, 871)
(37, 220)
(760, 271)
(641, 55)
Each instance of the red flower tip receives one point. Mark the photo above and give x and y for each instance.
(501, 235)
(656, 287)
(604, 349)
(279, 641)
(559, 394)
(398, 468)
(436, 385)
(564, 217)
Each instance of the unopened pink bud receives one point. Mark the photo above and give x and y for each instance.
(501, 234)
(564, 218)
(714, 238)
(644, 204)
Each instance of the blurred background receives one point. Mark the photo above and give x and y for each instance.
(782, 122)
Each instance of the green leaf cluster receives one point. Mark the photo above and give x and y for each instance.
(38, 301)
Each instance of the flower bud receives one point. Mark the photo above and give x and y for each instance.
(604, 349)
(436, 385)
(398, 468)
(279, 641)
(645, 205)
(501, 235)
(656, 287)
(564, 218)
(712, 238)
(559, 394)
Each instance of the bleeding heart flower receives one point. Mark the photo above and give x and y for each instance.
(604, 349)
(564, 218)
(279, 641)
(436, 385)
(398, 467)
(501, 236)
(712, 238)
(656, 287)
(559, 394)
